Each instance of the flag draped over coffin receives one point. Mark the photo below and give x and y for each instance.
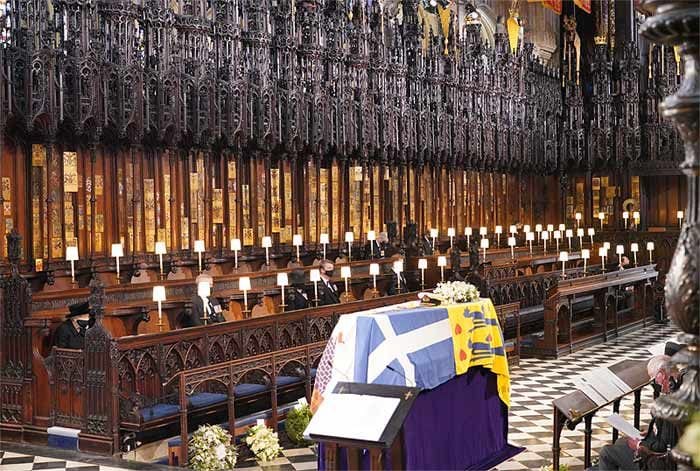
(411, 345)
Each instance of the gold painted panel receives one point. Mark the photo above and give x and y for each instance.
(275, 200)
(261, 194)
(217, 203)
(38, 155)
(335, 202)
(312, 198)
(6, 189)
(323, 200)
(70, 172)
(150, 213)
(288, 206)
(232, 199)
(99, 185)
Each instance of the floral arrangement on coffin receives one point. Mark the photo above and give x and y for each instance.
(297, 421)
(263, 442)
(455, 292)
(210, 448)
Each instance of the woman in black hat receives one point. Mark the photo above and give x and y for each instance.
(296, 297)
(71, 333)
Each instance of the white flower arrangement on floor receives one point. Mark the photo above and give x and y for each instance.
(263, 442)
(455, 292)
(210, 448)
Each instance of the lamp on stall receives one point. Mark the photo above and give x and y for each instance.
(563, 258)
(371, 237)
(625, 216)
(569, 234)
(199, 248)
(550, 228)
(538, 229)
(160, 251)
(526, 229)
(483, 231)
(442, 263)
(297, 242)
(117, 252)
(601, 216)
(679, 215)
(204, 291)
(545, 238)
(562, 228)
(468, 232)
(591, 233)
(511, 244)
(579, 234)
(72, 257)
(324, 240)
(636, 217)
(602, 253)
(451, 234)
(650, 249)
(557, 236)
(282, 281)
(398, 269)
(374, 271)
(244, 285)
(315, 277)
(159, 297)
(498, 230)
(620, 251)
(606, 245)
(578, 217)
(513, 229)
(349, 239)
(422, 266)
(529, 237)
(433, 236)
(236, 247)
(346, 273)
(585, 255)
(484, 245)
(634, 248)
(266, 244)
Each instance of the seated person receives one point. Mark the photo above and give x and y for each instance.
(398, 283)
(71, 332)
(659, 435)
(327, 290)
(426, 245)
(204, 304)
(456, 264)
(295, 296)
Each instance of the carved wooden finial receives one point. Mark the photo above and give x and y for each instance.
(14, 247)
(97, 298)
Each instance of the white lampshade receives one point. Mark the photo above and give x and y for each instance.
(349, 237)
(236, 244)
(398, 266)
(158, 294)
(564, 256)
(606, 245)
(160, 248)
(601, 215)
(530, 236)
(562, 227)
(620, 249)
(498, 230)
(591, 231)
(679, 214)
(117, 250)
(602, 252)
(244, 283)
(442, 261)
(72, 253)
(526, 228)
(297, 240)
(483, 231)
(315, 275)
(579, 232)
(345, 272)
(545, 235)
(374, 269)
(578, 216)
(199, 246)
(586, 254)
(450, 232)
(323, 239)
(634, 247)
(422, 263)
(625, 214)
(557, 234)
(282, 279)
(371, 235)
(650, 246)
(468, 231)
(203, 288)
(511, 241)
(635, 215)
(569, 233)
(433, 233)
(550, 227)
(513, 229)
(484, 243)
(266, 242)
(538, 227)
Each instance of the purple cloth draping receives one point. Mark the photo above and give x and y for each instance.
(461, 424)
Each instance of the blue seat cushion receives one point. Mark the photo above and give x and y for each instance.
(248, 389)
(158, 411)
(287, 380)
(204, 399)
(313, 372)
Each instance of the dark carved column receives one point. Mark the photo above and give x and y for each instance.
(676, 23)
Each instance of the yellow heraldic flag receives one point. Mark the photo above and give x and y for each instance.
(478, 341)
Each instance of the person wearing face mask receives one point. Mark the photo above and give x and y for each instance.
(296, 297)
(327, 290)
(202, 304)
(71, 333)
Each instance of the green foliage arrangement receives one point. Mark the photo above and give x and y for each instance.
(297, 421)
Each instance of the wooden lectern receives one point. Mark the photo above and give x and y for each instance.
(391, 439)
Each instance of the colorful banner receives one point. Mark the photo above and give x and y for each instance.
(584, 5)
(554, 5)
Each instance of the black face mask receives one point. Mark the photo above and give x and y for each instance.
(329, 273)
(83, 324)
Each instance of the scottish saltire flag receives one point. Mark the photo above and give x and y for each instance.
(411, 345)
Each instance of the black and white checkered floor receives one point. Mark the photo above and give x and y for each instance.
(534, 384)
